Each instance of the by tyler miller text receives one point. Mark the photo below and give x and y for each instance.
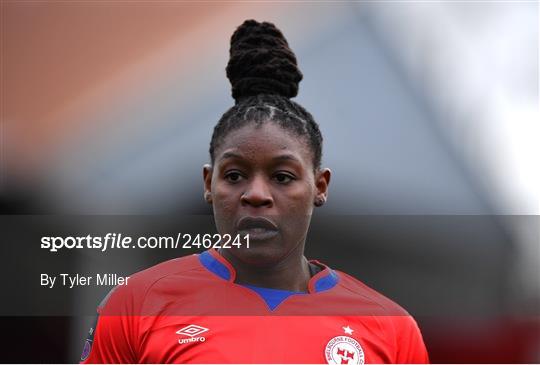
(74, 280)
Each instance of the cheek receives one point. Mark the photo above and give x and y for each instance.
(224, 205)
(297, 210)
(300, 199)
(224, 200)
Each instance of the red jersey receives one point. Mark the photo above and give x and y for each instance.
(190, 310)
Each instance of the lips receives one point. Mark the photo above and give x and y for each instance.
(258, 228)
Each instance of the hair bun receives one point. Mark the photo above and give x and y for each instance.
(261, 62)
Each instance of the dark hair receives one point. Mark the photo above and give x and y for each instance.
(264, 76)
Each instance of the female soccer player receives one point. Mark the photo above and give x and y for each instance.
(265, 303)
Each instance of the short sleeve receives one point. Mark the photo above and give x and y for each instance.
(411, 348)
(113, 338)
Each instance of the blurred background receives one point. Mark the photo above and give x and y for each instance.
(430, 114)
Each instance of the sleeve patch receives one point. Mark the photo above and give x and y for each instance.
(87, 349)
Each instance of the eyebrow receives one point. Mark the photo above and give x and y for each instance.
(284, 157)
(228, 155)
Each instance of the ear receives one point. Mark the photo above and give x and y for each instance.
(207, 178)
(322, 180)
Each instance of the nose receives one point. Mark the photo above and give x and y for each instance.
(257, 193)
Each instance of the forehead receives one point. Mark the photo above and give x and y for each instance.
(266, 140)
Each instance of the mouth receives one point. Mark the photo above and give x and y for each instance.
(258, 228)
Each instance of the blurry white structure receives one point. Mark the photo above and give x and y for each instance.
(477, 63)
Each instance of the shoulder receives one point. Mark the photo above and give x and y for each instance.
(375, 302)
(390, 317)
(177, 266)
(133, 293)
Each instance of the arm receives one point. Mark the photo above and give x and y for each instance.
(113, 339)
(411, 347)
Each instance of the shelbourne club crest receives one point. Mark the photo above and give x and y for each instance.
(344, 350)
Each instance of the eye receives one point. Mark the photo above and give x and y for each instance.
(233, 176)
(283, 178)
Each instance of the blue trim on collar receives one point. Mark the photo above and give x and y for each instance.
(327, 282)
(213, 265)
(218, 268)
(272, 297)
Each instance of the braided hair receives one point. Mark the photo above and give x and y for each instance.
(264, 75)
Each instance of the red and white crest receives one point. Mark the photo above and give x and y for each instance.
(344, 350)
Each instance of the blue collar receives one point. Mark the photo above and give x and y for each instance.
(272, 297)
(215, 263)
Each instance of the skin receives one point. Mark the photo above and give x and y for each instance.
(266, 171)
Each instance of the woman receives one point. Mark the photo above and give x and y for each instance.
(265, 303)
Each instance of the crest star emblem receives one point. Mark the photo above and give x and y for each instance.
(348, 330)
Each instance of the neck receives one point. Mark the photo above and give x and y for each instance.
(292, 273)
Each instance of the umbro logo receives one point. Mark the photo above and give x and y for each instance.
(191, 331)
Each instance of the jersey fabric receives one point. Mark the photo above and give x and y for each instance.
(190, 310)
